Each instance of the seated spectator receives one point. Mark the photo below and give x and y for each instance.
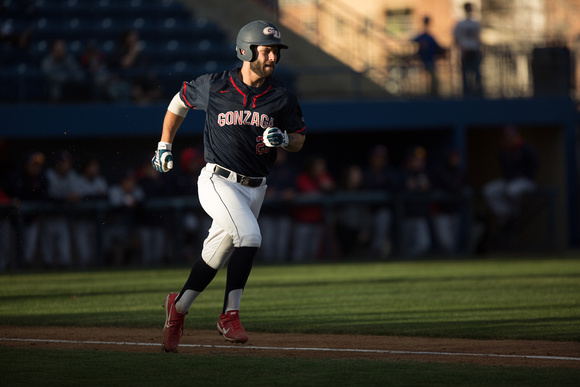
(184, 180)
(56, 238)
(150, 222)
(313, 182)
(6, 231)
(105, 84)
(519, 165)
(133, 65)
(64, 75)
(275, 219)
(125, 198)
(183, 183)
(30, 185)
(91, 186)
(380, 175)
(353, 220)
(416, 230)
(7, 235)
(450, 178)
(17, 39)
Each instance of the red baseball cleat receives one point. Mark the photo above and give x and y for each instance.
(231, 328)
(173, 329)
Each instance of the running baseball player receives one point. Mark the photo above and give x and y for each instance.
(248, 115)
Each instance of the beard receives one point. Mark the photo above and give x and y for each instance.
(262, 69)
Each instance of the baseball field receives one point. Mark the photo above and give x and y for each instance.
(468, 322)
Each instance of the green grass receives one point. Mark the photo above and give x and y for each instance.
(479, 299)
(100, 368)
(485, 299)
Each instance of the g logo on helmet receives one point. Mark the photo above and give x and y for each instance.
(272, 31)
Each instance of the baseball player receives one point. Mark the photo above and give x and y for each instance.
(248, 115)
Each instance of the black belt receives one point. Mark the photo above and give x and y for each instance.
(243, 180)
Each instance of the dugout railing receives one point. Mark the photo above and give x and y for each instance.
(171, 212)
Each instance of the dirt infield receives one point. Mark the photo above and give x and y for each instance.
(490, 352)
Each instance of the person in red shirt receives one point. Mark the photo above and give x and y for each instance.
(312, 183)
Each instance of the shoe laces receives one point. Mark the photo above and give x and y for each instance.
(233, 319)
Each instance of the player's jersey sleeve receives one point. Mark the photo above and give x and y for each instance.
(293, 117)
(195, 94)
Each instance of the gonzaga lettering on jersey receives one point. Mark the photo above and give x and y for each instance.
(245, 117)
(236, 116)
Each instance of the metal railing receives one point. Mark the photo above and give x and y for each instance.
(351, 37)
(172, 212)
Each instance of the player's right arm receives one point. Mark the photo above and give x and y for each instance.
(176, 112)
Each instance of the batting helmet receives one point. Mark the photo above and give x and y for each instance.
(257, 33)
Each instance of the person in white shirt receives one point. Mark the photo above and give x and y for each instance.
(56, 240)
(467, 37)
(91, 186)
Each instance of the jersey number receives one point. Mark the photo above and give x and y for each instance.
(261, 148)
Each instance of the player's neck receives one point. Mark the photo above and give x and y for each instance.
(249, 77)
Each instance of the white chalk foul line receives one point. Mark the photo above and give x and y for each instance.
(351, 350)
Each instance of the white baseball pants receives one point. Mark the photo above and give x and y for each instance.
(234, 209)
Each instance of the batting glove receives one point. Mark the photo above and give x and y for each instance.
(274, 137)
(163, 159)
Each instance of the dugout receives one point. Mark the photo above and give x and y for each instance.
(344, 130)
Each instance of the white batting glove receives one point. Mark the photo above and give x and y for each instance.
(163, 159)
(274, 137)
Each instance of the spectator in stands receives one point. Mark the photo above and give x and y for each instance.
(313, 182)
(416, 230)
(91, 186)
(105, 85)
(56, 237)
(130, 61)
(6, 231)
(519, 165)
(7, 170)
(353, 219)
(184, 184)
(17, 35)
(30, 185)
(380, 175)
(467, 37)
(125, 198)
(64, 75)
(275, 220)
(19, 40)
(428, 50)
(450, 178)
(150, 221)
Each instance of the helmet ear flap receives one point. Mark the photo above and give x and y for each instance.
(245, 53)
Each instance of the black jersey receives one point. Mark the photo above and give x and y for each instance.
(236, 117)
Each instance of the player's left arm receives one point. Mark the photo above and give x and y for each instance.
(294, 123)
(295, 142)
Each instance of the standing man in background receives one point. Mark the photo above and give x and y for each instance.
(467, 37)
(249, 114)
(428, 50)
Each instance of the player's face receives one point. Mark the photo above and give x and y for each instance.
(265, 64)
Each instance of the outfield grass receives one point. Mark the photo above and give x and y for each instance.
(479, 299)
(484, 299)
